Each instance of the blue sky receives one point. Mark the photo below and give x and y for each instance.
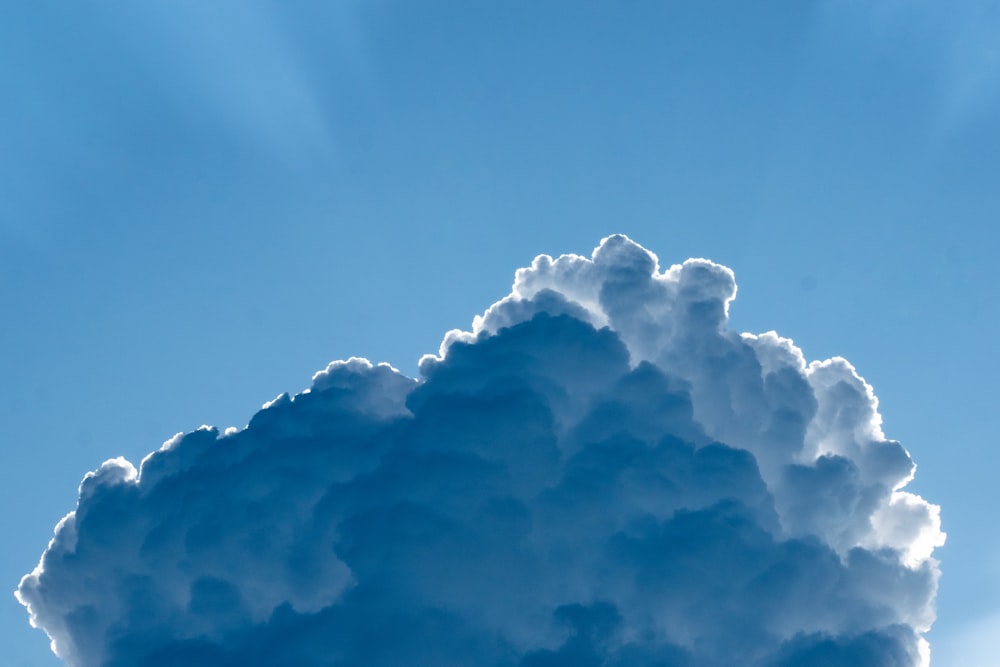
(202, 205)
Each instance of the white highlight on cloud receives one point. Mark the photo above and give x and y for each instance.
(599, 473)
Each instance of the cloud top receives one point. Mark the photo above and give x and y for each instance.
(598, 473)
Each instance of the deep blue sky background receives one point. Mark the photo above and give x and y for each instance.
(203, 203)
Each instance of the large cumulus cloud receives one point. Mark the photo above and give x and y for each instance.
(598, 473)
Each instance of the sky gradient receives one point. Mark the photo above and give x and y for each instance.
(200, 206)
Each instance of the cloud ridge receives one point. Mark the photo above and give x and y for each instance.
(598, 473)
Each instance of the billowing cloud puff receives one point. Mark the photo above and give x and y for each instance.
(600, 473)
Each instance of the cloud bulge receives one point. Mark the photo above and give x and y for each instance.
(598, 473)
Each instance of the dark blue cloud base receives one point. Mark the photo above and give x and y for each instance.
(599, 474)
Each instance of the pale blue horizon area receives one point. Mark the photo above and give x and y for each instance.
(201, 204)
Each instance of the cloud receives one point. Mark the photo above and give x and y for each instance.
(598, 473)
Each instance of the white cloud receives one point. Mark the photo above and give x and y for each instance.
(600, 472)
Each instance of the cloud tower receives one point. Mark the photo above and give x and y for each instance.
(599, 473)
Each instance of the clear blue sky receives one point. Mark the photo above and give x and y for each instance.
(203, 203)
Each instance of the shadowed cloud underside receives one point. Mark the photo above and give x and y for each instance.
(598, 473)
